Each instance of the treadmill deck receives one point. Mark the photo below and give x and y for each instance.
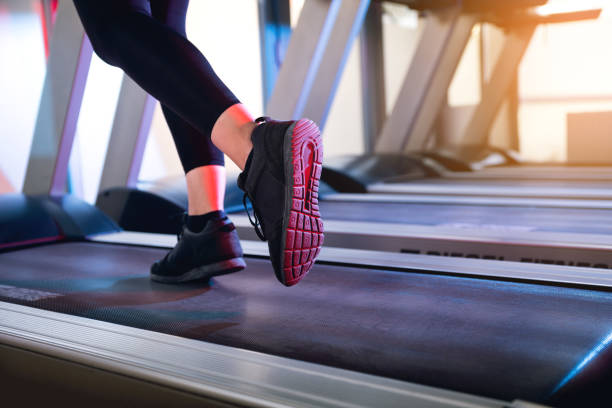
(499, 339)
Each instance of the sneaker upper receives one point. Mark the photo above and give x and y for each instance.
(217, 242)
(264, 181)
(283, 157)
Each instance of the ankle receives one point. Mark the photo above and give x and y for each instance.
(196, 223)
(232, 134)
(205, 189)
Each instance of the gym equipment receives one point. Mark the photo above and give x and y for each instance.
(360, 330)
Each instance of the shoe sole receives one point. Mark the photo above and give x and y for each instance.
(204, 272)
(302, 224)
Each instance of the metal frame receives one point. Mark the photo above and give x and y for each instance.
(303, 58)
(48, 18)
(416, 198)
(347, 26)
(316, 56)
(544, 172)
(373, 99)
(423, 92)
(131, 126)
(212, 372)
(62, 94)
(47, 14)
(498, 85)
(274, 35)
(479, 189)
(67, 71)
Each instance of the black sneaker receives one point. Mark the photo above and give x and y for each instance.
(281, 178)
(213, 251)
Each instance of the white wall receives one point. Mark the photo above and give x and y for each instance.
(22, 70)
(564, 61)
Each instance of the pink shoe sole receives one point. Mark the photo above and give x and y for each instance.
(302, 222)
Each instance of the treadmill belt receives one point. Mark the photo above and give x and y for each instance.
(504, 340)
(570, 220)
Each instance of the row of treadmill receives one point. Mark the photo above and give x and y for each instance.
(454, 276)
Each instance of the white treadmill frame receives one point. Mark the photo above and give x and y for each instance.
(67, 68)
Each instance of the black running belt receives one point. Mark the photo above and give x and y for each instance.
(499, 339)
(569, 220)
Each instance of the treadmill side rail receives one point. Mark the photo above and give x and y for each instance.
(406, 262)
(210, 371)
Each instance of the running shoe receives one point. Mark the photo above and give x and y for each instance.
(211, 252)
(281, 179)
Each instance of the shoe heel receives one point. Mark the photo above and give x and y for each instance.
(205, 272)
(228, 266)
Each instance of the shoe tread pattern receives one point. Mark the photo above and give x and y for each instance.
(304, 234)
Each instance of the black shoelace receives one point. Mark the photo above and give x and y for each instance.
(254, 220)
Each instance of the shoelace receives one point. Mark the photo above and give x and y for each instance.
(255, 219)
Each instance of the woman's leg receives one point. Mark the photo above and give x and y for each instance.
(232, 130)
(209, 245)
(281, 161)
(202, 161)
(148, 41)
(162, 61)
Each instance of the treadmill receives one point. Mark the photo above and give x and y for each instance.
(364, 329)
(462, 163)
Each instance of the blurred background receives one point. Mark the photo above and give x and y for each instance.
(567, 69)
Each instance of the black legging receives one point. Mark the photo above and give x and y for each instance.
(147, 39)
